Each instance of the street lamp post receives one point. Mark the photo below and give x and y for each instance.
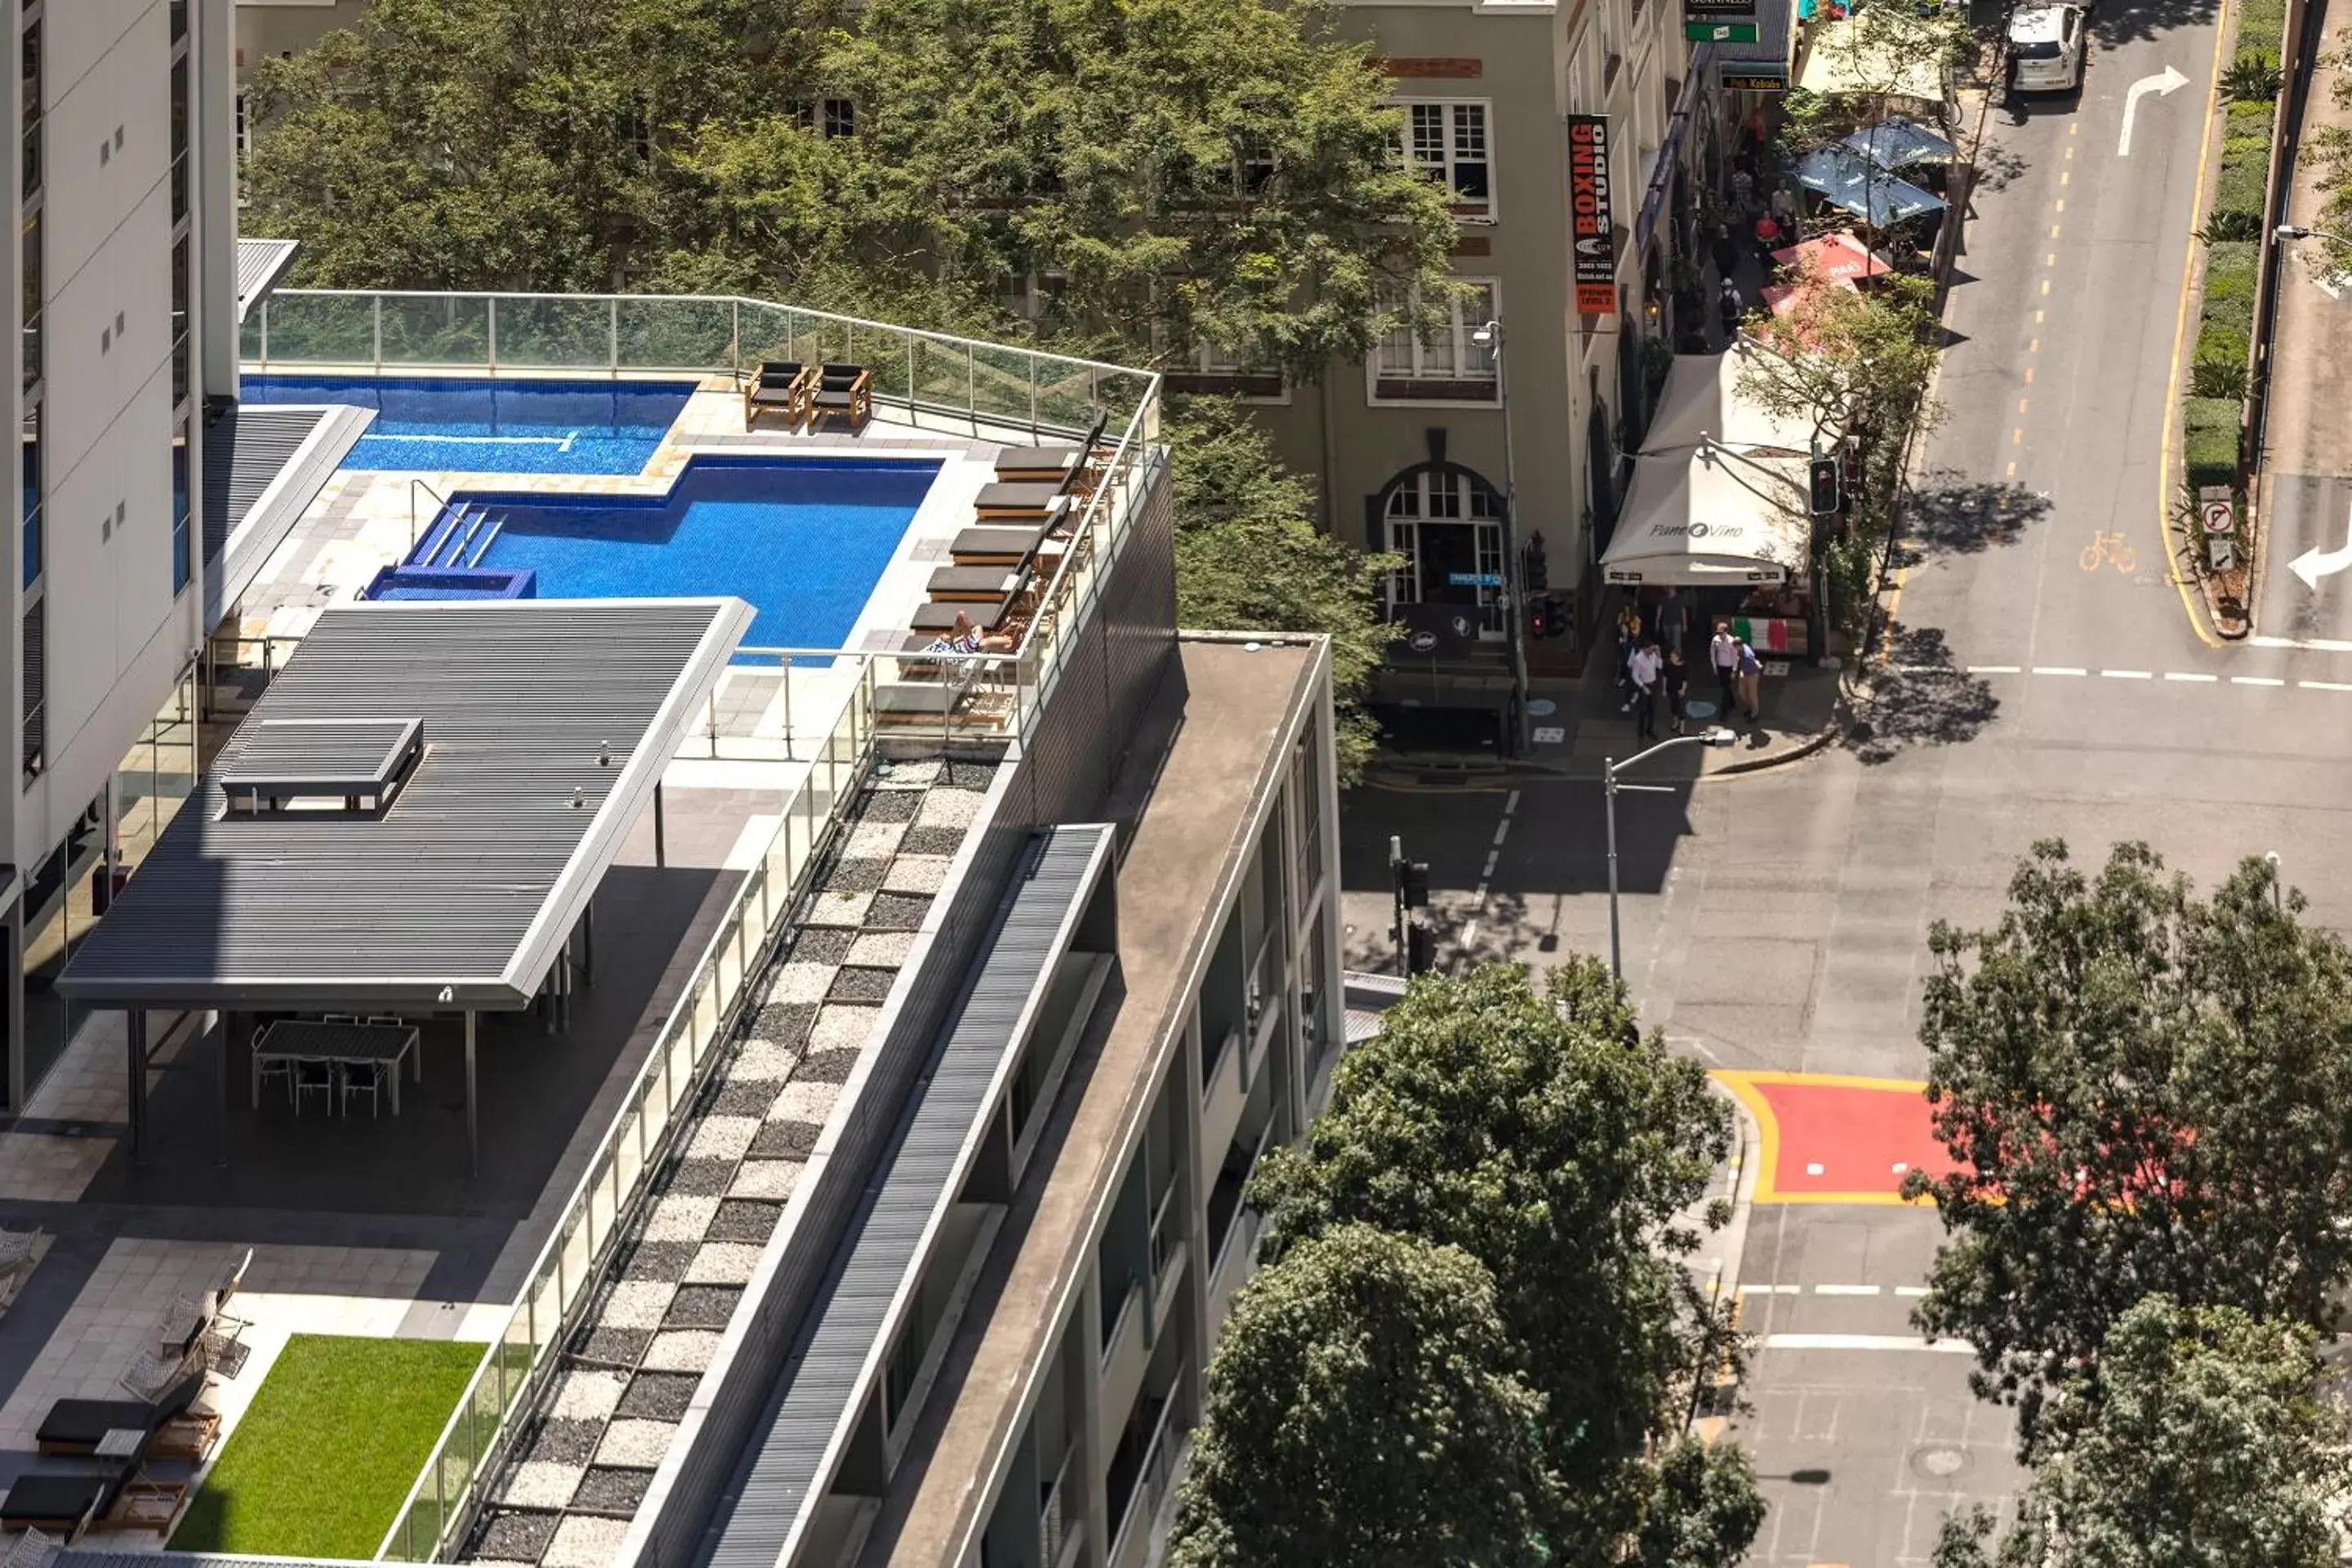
(2297, 231)
(1609, 768)
(1514, 607)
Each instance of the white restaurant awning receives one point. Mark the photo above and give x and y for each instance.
(1701, 402)
(1706, 514)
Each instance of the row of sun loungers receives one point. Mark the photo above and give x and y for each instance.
(809, 394)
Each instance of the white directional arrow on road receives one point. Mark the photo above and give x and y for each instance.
(2314, 564)
(2166, 82)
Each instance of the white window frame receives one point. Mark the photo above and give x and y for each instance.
(1210, 359)
(1480, 209)
(1403, 538)
(1466, 319)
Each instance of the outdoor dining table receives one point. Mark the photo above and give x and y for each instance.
(341, 1045)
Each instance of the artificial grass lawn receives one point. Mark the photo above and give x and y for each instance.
(334, 1438)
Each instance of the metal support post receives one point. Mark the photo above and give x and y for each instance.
(661, 851)
(1609, 811)
(473, 1123)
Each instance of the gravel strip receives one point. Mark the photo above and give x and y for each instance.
(703, 1306)
(886, 806)
(723, 1263)
(931, 841)
(783, 1141)
(820, 945)
(839, 910)
(742, 1098)
(636, 1444)
(582, 1541)
(659, 1395)
(797, 981)
(847, 876)
(898, 911)
(842, 1026)
(613, 1491)
(882, 949)
(619, 1347)
(771, 1179)
(861, 985)
(808, 1099)
(916, 874)
(874, 840)
(658, 1260)
(828, 1067)
(701, 1178)
(635, 1305)
(536, 1483)
(761, 1061)
(747, 1222)
(682, 1349)
(566, 1442)
(582, 1394)
(680, 1218)
(515, 1537)
(722, 1138)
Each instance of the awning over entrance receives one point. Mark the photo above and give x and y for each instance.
(263, 467)
(1859, 57)
(1708, 514)
(260, 263)
(1701, 402)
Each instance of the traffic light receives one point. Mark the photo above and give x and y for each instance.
(1543, 617)
(1539, 572)
(1421, 949)
(1825, 486)
(1555, 616)
(1412, 883)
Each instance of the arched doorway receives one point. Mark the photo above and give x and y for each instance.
(1446, 520)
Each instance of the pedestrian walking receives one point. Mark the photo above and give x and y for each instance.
(1629, 642)
(1675, 681)
(1670, 620)
(1751, 683)
(1722, 654)
(1743, 190)
(1768, 239)
(1727, 306)
(1784, 208)
(1644, 668)
(1727, 251)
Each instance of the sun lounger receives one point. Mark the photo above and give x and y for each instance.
(935, 618)
(1012, 546)
(16, 1262)
(976, 585)
(1050, 463)
(147, 1505)
(782, 386)
(76, 1426)
(188, 1436)
(62, 1506)
(1036, 502)
(34, 1548)
(843, 392)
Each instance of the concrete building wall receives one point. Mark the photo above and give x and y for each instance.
(266, 28)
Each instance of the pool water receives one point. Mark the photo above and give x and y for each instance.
(803, 541)
(494, 426)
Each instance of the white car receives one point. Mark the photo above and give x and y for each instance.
(2045, 50)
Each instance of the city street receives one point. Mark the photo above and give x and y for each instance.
(2045, 680)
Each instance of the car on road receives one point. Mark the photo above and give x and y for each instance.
(2045, 49)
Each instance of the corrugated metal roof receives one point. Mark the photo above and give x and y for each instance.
(316, 756)
(480, 866)
(854, 1321)
(263, 467)
(259, 264)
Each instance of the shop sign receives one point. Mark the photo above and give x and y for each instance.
(1473, 579)
(1718, 11)
(1754, 75)
(1719, 32)
(1591, 227)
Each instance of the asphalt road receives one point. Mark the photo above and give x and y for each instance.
(2045, 680)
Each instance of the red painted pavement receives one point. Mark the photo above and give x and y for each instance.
(1861, 1136)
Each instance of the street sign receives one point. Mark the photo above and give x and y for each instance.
(1473, 579)
(1719, 32)
(1754, 75)
(2218, 518)
(2224, 551)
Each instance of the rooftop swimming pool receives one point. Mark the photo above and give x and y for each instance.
(497, 426)
(803, 540)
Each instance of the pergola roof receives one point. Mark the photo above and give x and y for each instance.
(545, 728)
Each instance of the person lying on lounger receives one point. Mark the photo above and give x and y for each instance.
(966, 637)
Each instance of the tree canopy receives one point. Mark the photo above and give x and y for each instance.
(1364, 1412)
(2206, 1445)
(2143, 1091)
(1841, 356)
(1524, 1128)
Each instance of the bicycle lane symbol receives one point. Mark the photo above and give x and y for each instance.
(2108, 548)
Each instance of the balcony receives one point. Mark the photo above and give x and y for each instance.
(1144, 1482)
(1061, 1530)
(1167, 1254)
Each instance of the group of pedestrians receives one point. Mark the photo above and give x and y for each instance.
(1767, 220)
(1653, 674)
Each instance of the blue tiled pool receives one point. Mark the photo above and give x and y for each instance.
(494, 426)
(803, 540)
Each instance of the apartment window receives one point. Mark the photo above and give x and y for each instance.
(30, 71)
(31, 510)
(183, 564)
(831, 118)
(244, 136)
(180, 138)
(898, 1377)
(1252, 165)
(31, 246)
(181, 345)
(1447, 142)
(1438, 361)
(1448, 527)
(36, 690)
(1206, 367)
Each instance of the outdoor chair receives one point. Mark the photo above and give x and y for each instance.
(780, 386)
(184, 1322)
(1057, 464)
(189, 1436)
(226, 1291)
(148, 1504)
(16, 1262)
(1039, 502)
(362, 1078)
(843, 392)
(62, 1506)
(156, 1371)
(281, 1071)
(314, 1078)
(34, 1548)
(75, 1427)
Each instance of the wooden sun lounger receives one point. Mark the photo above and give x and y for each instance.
(977, 584)
(1008, 546)
(936, 617)
(1050, 463)
(1040, 502)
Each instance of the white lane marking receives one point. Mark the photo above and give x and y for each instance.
(1492, 856)
(2128, 674)
(1913, 1291)
(2190, 675)
(2060, 670)
(1865, 1342)
(1511, 803)
(1469, 934)
(1771, 1289)
(2314, 645)
(2327, 685)
(2164, 83)
(2256, 681)
(1845, 1290)
(1502, 831)
(1994, 669)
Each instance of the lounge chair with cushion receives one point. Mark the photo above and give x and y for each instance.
(935, 618)
(782, 386)
(16, 1262)
(977, 584)
(34, 1548)
(1023, 502)
(1057, 464)
(62, 1506)
(76, 1426)
(843, 392)
(147, 1504)
(1015, 545)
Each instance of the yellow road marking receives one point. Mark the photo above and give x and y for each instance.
(2070, 152)
(2034, 345)
(2066, 175)
(2021, 405)
(2017, 438)
(2045, 287)
(2029, 381)
(2051, 259)
(2037, 315)
(2062, 204)
(2012, 471)
(2222, 29)
(2054, 234)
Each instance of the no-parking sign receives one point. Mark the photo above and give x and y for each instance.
(2217, 517)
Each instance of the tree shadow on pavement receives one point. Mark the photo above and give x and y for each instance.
(1953, 513)
(1997, 166)
(1921, 698)
(2145, 20)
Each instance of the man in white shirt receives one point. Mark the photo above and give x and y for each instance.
(1723, 653)
(1644, 668)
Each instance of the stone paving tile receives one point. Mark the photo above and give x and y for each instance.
(641, 1305)
(702, 1178)
(842, 1026)
(882, 949)
(613, 1491)
(738, 1220)
(916, 874)
(723, 1263)
(680, 1218)
(665, 1260)
(582, 1395)
(637, 1444)
(839, 910)
(517, 1537)
(861, 985)
(810, 1101)
(786, 1140)
(703, 1306)
(769, 1179)
(825, 945)
(800, 983)
(682, 1350)
(898, 911)
(828, 1066)
(582, 1541)
(659, 1395)
(722, 1138)
(536, 1483)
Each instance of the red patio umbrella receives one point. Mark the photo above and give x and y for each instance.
(1839, 257)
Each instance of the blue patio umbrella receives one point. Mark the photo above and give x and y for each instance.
(1853, 183)
(1899, 142)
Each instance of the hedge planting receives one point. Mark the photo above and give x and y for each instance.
(2210, 449)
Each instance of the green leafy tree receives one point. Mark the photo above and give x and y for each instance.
(1842, 358)
(2143, 1091)
(2207, 1444)
(1363, 1411)
(1250, 558)
(1705, 1509)
(1542, 1135)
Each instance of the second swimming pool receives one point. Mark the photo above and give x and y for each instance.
(495, 427)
